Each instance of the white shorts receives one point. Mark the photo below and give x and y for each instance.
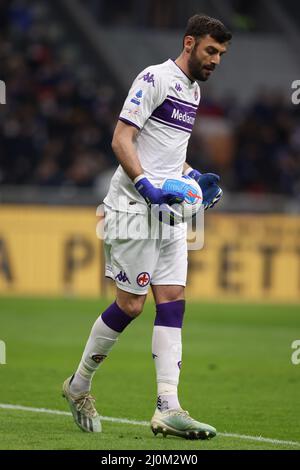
(140, 251)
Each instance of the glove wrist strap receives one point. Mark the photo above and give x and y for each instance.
(138, 178)
(188, 171)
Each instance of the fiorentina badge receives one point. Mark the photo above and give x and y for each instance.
(143, 279)
(196, 95)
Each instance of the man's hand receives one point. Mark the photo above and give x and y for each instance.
(212, 193)
(208, 182)
(154, 195)
(195, 174)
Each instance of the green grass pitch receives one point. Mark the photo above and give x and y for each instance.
(237, 375)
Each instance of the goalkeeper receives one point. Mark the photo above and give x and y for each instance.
(150, 142)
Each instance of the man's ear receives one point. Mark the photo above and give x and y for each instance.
(189, 44)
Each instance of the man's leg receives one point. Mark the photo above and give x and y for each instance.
(166, 343)
(169, 418)
(104, 335)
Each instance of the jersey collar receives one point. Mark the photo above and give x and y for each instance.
(177, 66)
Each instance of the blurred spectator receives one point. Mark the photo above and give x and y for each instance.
(267, 156)
(57, 127)
(53, 118)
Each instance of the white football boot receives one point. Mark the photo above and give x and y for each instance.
(83, 410)
(179, 423)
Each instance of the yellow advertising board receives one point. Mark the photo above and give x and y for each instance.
(55, 251)
(49, 251)
(248, 257)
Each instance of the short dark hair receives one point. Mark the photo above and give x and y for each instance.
(203, 25)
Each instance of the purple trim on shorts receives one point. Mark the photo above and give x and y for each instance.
(170, 314)
(130, 123)
(115, 318)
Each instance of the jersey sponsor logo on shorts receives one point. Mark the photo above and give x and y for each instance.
(122, 277)
(143, 279)
(149, 78)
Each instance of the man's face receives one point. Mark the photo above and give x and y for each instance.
(204, 56)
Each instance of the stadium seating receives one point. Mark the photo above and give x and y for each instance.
(58, 126)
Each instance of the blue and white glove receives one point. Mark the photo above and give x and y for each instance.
(158, 196)
(195, 174)
(208, 182)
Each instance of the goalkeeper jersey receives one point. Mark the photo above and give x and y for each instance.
(162, 104)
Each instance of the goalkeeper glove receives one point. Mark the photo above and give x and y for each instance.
(195, 174)
(158, 196)
(212, 193)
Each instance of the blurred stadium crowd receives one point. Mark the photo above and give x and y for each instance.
(168, 13)
(57, 125)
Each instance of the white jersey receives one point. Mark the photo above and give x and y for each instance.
(162, 104)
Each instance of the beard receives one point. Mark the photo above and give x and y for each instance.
(196, 68)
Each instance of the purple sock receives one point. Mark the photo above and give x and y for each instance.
(170, 314)
(115, 318)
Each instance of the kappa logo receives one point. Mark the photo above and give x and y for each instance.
(148, 78)
(122, 277)
(143, 279)
(178, 87)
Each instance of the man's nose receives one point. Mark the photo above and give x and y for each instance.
(216, 59)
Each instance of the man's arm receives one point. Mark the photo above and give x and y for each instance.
(123, 146)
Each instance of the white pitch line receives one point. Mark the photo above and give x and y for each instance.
(145, 423)
(259, 439)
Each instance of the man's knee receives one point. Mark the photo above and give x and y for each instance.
(130, 303)
(164, 294)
